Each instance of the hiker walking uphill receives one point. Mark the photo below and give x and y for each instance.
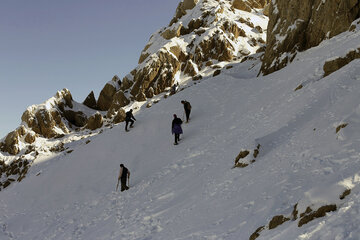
(176, 128)
(129, 118)
(187, 108)
(124, 175)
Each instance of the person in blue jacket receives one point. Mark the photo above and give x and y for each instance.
(176, 128)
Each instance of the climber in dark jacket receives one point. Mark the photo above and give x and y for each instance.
(129, 118)
(187, 108)
(124, 174)
(176, 128)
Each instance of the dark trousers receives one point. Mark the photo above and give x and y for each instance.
(127, 123)
(187, 113)
(123, 184)
(177, 137)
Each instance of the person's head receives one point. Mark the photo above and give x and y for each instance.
(182, 101)
(175, 116)
(131, 110)
(121, 165)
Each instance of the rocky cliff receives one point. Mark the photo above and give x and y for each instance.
(201, 35)
(299, 25)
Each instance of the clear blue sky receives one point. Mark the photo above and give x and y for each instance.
(48, 45)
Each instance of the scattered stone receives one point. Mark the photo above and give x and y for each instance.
(217, 72)
(298, 87)
(345, 193)
(256, 234)
(321, 212)
(338, 128)
(277, 220)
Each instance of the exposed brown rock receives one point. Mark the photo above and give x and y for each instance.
(241, 155)
(106, 97)
(294, 213)
(140, 97)
(66, 96)
(171, 33)
(90, 101)
(150, 92)
(338, 128)
(248, 5)
(321, 212)
(30, 138)
(345, 193)
(334, 65)
(217, 72)
(11, 143)
(190, 68)
(314, 20)
(120, 116)
(119, 101)
(158, 74)
(126, 83)
(277, 220)
(181, 9)
(46, 123)
(298, 87)
(256, 234)
(95, 121)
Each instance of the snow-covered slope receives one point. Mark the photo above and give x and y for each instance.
(308, 143)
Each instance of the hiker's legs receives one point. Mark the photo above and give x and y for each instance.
(187, 112)
(132, 123)
(177, 136)
(126, 125)
(123, 184)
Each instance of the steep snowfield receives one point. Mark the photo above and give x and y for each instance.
(191, 191)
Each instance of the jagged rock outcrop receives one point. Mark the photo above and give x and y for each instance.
(120, 116)
(11, 142)
(181, 9)
(90, 101)
(249, 5)
(107, 93)
(42, 120)
(119, 101)
(299, 25)
(200, 32)
(95, 122)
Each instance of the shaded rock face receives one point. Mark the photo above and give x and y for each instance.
(90, 101)
(107, 93)
(120, 116)
(95, 121)
(299, 25)
(119, 101)
(78, 118)
(106, 97)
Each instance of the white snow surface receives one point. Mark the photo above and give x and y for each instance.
(191, 191)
